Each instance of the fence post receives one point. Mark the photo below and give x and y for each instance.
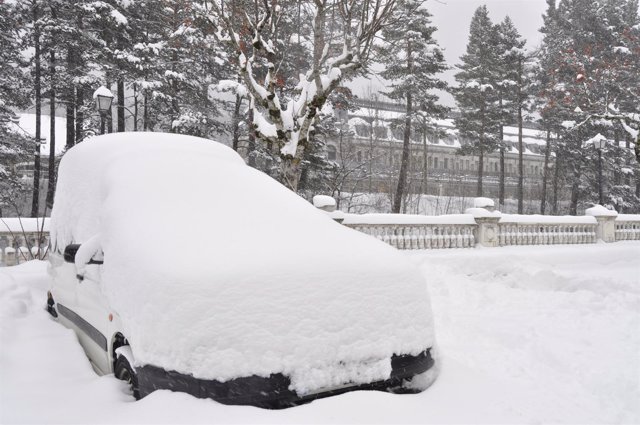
(328, 205)
(606, 230)
(488, 231)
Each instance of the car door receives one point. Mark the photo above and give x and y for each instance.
(81, 307)
(94, 311)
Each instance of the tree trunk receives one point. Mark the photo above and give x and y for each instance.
(480, 168)
(236, 123)
(71, 119)
(51, 185)
(425, 169)
(79, 113)
(291, 171)
(404, 164)
(121, 122)
(545, 173)
(575, 187)
(251, 158)
(501, 184)
(520, 160)
(35, 201)
(556, 178)
(145, 115)
(135, 108)
(70, 107)
(502, 178)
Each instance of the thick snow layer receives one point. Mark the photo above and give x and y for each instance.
(546, 219)
(482, 213)
(255, 281)
(540, 334)
(323, 201)
(408, 219)
(26, 224)
(600, 211)
(483, 202)
(102, 91)
(628, 217)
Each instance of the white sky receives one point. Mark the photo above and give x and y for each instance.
(453, 17)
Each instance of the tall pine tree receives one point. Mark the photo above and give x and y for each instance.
(412, 60)
(477, 95)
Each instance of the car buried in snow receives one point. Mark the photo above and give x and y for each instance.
(180, 267)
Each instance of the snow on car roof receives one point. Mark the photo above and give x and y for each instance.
(219, 271)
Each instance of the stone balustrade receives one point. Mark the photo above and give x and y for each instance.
(547, 230)
(23, 239)
(483, 226)
(421, 236)
(627, 227)
(479, 226)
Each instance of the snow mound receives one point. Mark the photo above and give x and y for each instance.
(600, 211)
(483, 203)
(218, 271)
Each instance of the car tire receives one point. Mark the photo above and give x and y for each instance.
(125, 372)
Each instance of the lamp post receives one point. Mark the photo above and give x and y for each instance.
(599, 143)
(103, 97)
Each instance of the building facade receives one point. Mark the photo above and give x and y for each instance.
(368, 146)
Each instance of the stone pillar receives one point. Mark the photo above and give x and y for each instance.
(328, 205)
(606, 230)
(488, 232)
(9, 256)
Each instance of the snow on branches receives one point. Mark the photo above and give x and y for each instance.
(338, 43)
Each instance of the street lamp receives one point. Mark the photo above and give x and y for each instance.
(103, 97)
(599, 142)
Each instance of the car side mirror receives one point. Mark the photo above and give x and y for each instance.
(70, 252)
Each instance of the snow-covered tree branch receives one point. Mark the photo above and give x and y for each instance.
(343, 32)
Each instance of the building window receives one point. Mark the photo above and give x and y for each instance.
(363, 130)
(466, 165)
(446, 163)
(430, 162)
(435, 162)
(332, 153)
(380, 132)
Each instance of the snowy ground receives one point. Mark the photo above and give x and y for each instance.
(527, 334)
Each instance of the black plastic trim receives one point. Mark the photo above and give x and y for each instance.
(272, 392)
(84, 326)
(51, 305)
(70, 254)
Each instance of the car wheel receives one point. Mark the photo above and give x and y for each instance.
(125, 372)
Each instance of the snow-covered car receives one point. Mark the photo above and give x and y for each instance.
(179, 267)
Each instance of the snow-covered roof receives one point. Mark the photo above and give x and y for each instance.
(27, 124)
(382, 117)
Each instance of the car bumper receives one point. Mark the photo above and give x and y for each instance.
(272, 392)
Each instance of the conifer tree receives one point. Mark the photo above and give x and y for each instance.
(15, 146)
(512, 96)
(412, 60)
(477, 95)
